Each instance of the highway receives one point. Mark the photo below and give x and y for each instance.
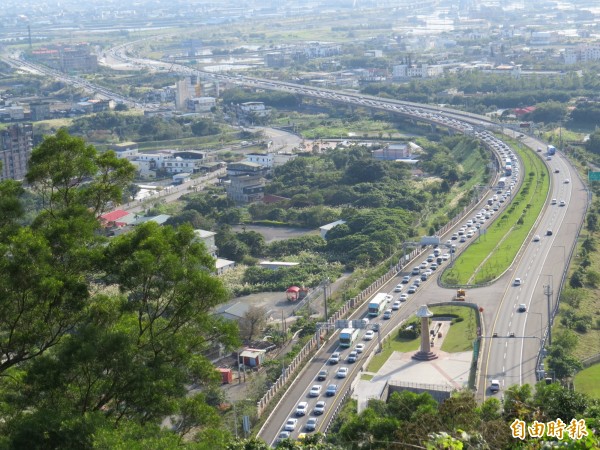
(512, 360)
(511, 356)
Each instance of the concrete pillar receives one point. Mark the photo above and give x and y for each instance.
(424, 353)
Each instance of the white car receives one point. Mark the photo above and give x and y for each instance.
(342, 372)
(315, 391)
(311, 424)
(398, 288)
(553, 202)
(389, 298)
(403, 297)
(562, 203)
(290, 425)
(522, 307)
(334, 358)
(494, 386)
(517, 282)
(359, 348)
(536, 238)
(369, 335)
(319, 408)
(567, 181)
(446, 256)
(396, 305)
(283, 435)
(301, 409)
(424, 265)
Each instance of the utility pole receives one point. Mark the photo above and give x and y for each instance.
(325, 284)
(548, 294)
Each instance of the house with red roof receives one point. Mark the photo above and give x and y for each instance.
(117, 218)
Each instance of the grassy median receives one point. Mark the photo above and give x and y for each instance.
(492, 253)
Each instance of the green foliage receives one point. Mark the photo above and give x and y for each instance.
(310, 272)
(560, 355)
(294, 246)
(410, 330)
(269, 98)
(492, 91)
(142, 128)
(99, 340)
(548, 112)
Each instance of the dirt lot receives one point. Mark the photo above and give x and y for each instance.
(275, 233)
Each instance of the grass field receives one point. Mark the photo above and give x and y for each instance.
(587, 381)
(462, 332)
(490, 255)
(389, 347)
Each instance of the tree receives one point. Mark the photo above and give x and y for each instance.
(560, 359)
(556, 401)
(100, 339)
(68, 173)
(253, 322)
(43, 282)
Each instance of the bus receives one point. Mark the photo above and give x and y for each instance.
(551, 150)
(348, 336)
(502, 183)
(377, 304)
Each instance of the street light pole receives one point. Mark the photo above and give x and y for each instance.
(325, 285)
(548, 293)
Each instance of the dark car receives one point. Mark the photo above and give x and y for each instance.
(331, 390)
(322, 375)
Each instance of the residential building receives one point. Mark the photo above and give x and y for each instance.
(16, 144)
(257, 108)
(264, 159)
(392, 152)
(12, 112)
(208, 239)
(180, 165)
(582, 53)
(246, 182)
(182, 94)
(414, 71)
(126, 150)
(275, 60)
(39, 111)
(201, 104)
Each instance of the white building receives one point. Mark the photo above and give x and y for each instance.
(180, 165)
(326, 228)
(208, 238)
(543, 37)
(582, 53)
(257, 108)
(201, 104)
(182, 94)
(422, 71)
(125, 150)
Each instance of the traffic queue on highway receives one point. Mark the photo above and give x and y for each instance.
(308, 414)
